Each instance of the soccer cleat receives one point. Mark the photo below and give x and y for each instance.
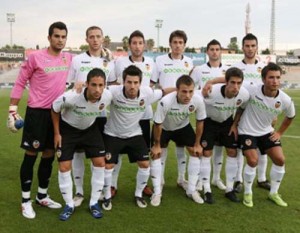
(47, 202)
(238, 187)
(78, 199)
(275, 197)
(195, 196)
(208, 198)
(66, 213)
(27, 210)
(96, 211)
(232, 197)
(199, 186)
(106, 204)
(140, 201)
(219, 184)
(147, 191)
(113, 191)
(264, 184)
(182, 184)
(155, 200)
(248, 200)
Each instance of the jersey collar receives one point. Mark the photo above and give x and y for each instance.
(130, 59)
(256, 61)
(208, 64)
(169, 54)
(262, 90)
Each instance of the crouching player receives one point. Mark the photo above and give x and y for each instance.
(78, 129)
(171, 122)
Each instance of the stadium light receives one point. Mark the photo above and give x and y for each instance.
(158, 25)
(11, 20)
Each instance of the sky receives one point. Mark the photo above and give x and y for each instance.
(201, 20)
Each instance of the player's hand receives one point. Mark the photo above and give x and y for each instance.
(197, 150)
(13, 116)
(57, 141)
(155, 152)
(206, 89)
(79, 86)
(233, 130)
(275, 136)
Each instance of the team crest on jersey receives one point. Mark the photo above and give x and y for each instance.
(142, 102)
(147, 67)
(259, 69)
(102, 106)
(238, 102)
(105, 63)
(186, 64)
(64, 59)
(248, 142)
(204, 143)
(277, 104)
(36, 144)
(108, 156)
(192, 108)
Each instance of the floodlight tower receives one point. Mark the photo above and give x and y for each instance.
(247, 21)
(272, 29)
(158, 25)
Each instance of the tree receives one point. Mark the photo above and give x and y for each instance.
(290, 53)
(8, 47)
(106, 41)
(84, 47)
(233, 46)
(266, 51)
(150, 44)
(190, 50)
(125, 41)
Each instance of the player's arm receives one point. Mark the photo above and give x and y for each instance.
(234, 126)
(208, 85)
(276, 135)
(156, 149)
(198, 150)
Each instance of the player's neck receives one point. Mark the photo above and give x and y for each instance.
(95, 53)
(269, 93)
(249, 60)
(216, 63)
(136, 58)
(176, 56)
(54, 52)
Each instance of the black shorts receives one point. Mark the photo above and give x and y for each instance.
(215, 133)
(135, 147)
(263, 143)
(89, 140)
(145, 126)
(183, 137)
(101, 121)
(38, 130)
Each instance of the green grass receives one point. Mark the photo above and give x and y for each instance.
(176, 213)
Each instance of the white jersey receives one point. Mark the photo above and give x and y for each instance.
(173, 115)
(169, 70)
(219, 108)
(84, 62)
(77, 111)
(147, 66)
(252, 72)
(261, 110)
(202, 74)
(126, 113)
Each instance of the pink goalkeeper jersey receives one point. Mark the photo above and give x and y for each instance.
(46, 75)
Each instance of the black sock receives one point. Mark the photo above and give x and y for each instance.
(26, 174)
(44, 173)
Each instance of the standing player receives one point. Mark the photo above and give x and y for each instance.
(172, 122)
(147, 66)
(78, 129)
(201, 74)
(169, 68)
(95, 57)
(251, 68)
(256, 132)
(221, 104)
(46, 72)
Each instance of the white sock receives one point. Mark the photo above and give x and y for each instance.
(276, 174)
(155, 171)
(231, 168)
(217, 158)
(142, 177)
(262, 167)
(116, 172)
(107, 183)
(240, 161)
(66, 187)
(78, 171)
(97, 182)
(163, 159)
(193, 173)
(249, 175)
(181, 163)
(205, 173)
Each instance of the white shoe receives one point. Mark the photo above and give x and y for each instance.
(199, 186)
(195, 196)
(78, 199)
(182, 184)
(155, 199)
(47, 202)
(140, 202)
(219, 184)
(27, 210)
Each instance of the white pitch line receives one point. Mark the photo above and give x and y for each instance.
(290, 136)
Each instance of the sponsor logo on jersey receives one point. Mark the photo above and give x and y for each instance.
(85, 62)
(248, 142)
(239, 102)
(36, 144)
(168, 64)
(205, 72)
(204, 143)
(277, 104)
(55, 69)
(102, 106)
(192, 108)
(108, 156)
(174, 109)
(79, 107)
(142, 102)
(264, 107)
